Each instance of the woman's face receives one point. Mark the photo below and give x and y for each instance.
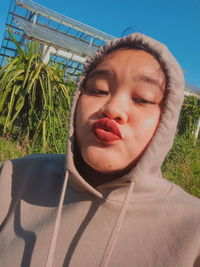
(119, 109)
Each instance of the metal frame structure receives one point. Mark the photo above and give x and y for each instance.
(191, 90)
(62, 39)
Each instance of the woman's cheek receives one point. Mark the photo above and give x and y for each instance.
(151, 122)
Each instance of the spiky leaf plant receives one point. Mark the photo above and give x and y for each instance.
(34, 98)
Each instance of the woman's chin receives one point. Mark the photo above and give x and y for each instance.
(104, 163)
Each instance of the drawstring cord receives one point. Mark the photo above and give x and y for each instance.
(49, 262)
(116, 229)
(114, 235)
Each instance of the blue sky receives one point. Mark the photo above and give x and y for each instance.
(173, 22)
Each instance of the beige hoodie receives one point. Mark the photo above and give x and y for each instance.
(50, 216)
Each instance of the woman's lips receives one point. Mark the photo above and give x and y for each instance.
(106, 130)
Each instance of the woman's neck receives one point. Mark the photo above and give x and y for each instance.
(92, 176)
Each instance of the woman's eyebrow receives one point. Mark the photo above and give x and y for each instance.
(100, 72)
(150, 80)
(109, 73)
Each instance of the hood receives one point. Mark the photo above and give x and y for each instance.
(149, 164)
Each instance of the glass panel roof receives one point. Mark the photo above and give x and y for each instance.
(39, 9)
(55, 38)
(192, 88)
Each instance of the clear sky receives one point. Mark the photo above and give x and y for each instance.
(173, 22)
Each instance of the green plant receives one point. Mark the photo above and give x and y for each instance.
(34, 98)
(9, 149)
(182, 165)
(189, 116)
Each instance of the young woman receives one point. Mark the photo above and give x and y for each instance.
(115, 209)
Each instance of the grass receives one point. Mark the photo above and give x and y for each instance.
(9, 149)
(182, 165)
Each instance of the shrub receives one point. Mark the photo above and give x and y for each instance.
(34, 99)
(182, 165)
(190, 114)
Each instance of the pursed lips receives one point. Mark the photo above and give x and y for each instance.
(106, 130)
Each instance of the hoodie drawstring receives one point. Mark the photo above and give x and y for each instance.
(116, 229)
(49, 262)
(114, 235)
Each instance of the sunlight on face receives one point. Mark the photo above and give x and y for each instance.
(119, 109)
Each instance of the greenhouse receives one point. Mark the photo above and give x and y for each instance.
(62, 39)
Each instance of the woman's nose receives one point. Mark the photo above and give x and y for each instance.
(116, 109)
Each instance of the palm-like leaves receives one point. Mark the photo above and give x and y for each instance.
(34, 98)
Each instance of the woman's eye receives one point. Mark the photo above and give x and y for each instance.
(97, 92)
(142, 101)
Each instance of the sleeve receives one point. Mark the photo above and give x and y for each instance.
(5, 189)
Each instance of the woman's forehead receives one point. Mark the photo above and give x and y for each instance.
(137, 64)
(134, 57)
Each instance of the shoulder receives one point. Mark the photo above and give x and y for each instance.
(36, 160)
(38, 165)
(33, 164)
(183, 205)
(182, 197)
(33, 178)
